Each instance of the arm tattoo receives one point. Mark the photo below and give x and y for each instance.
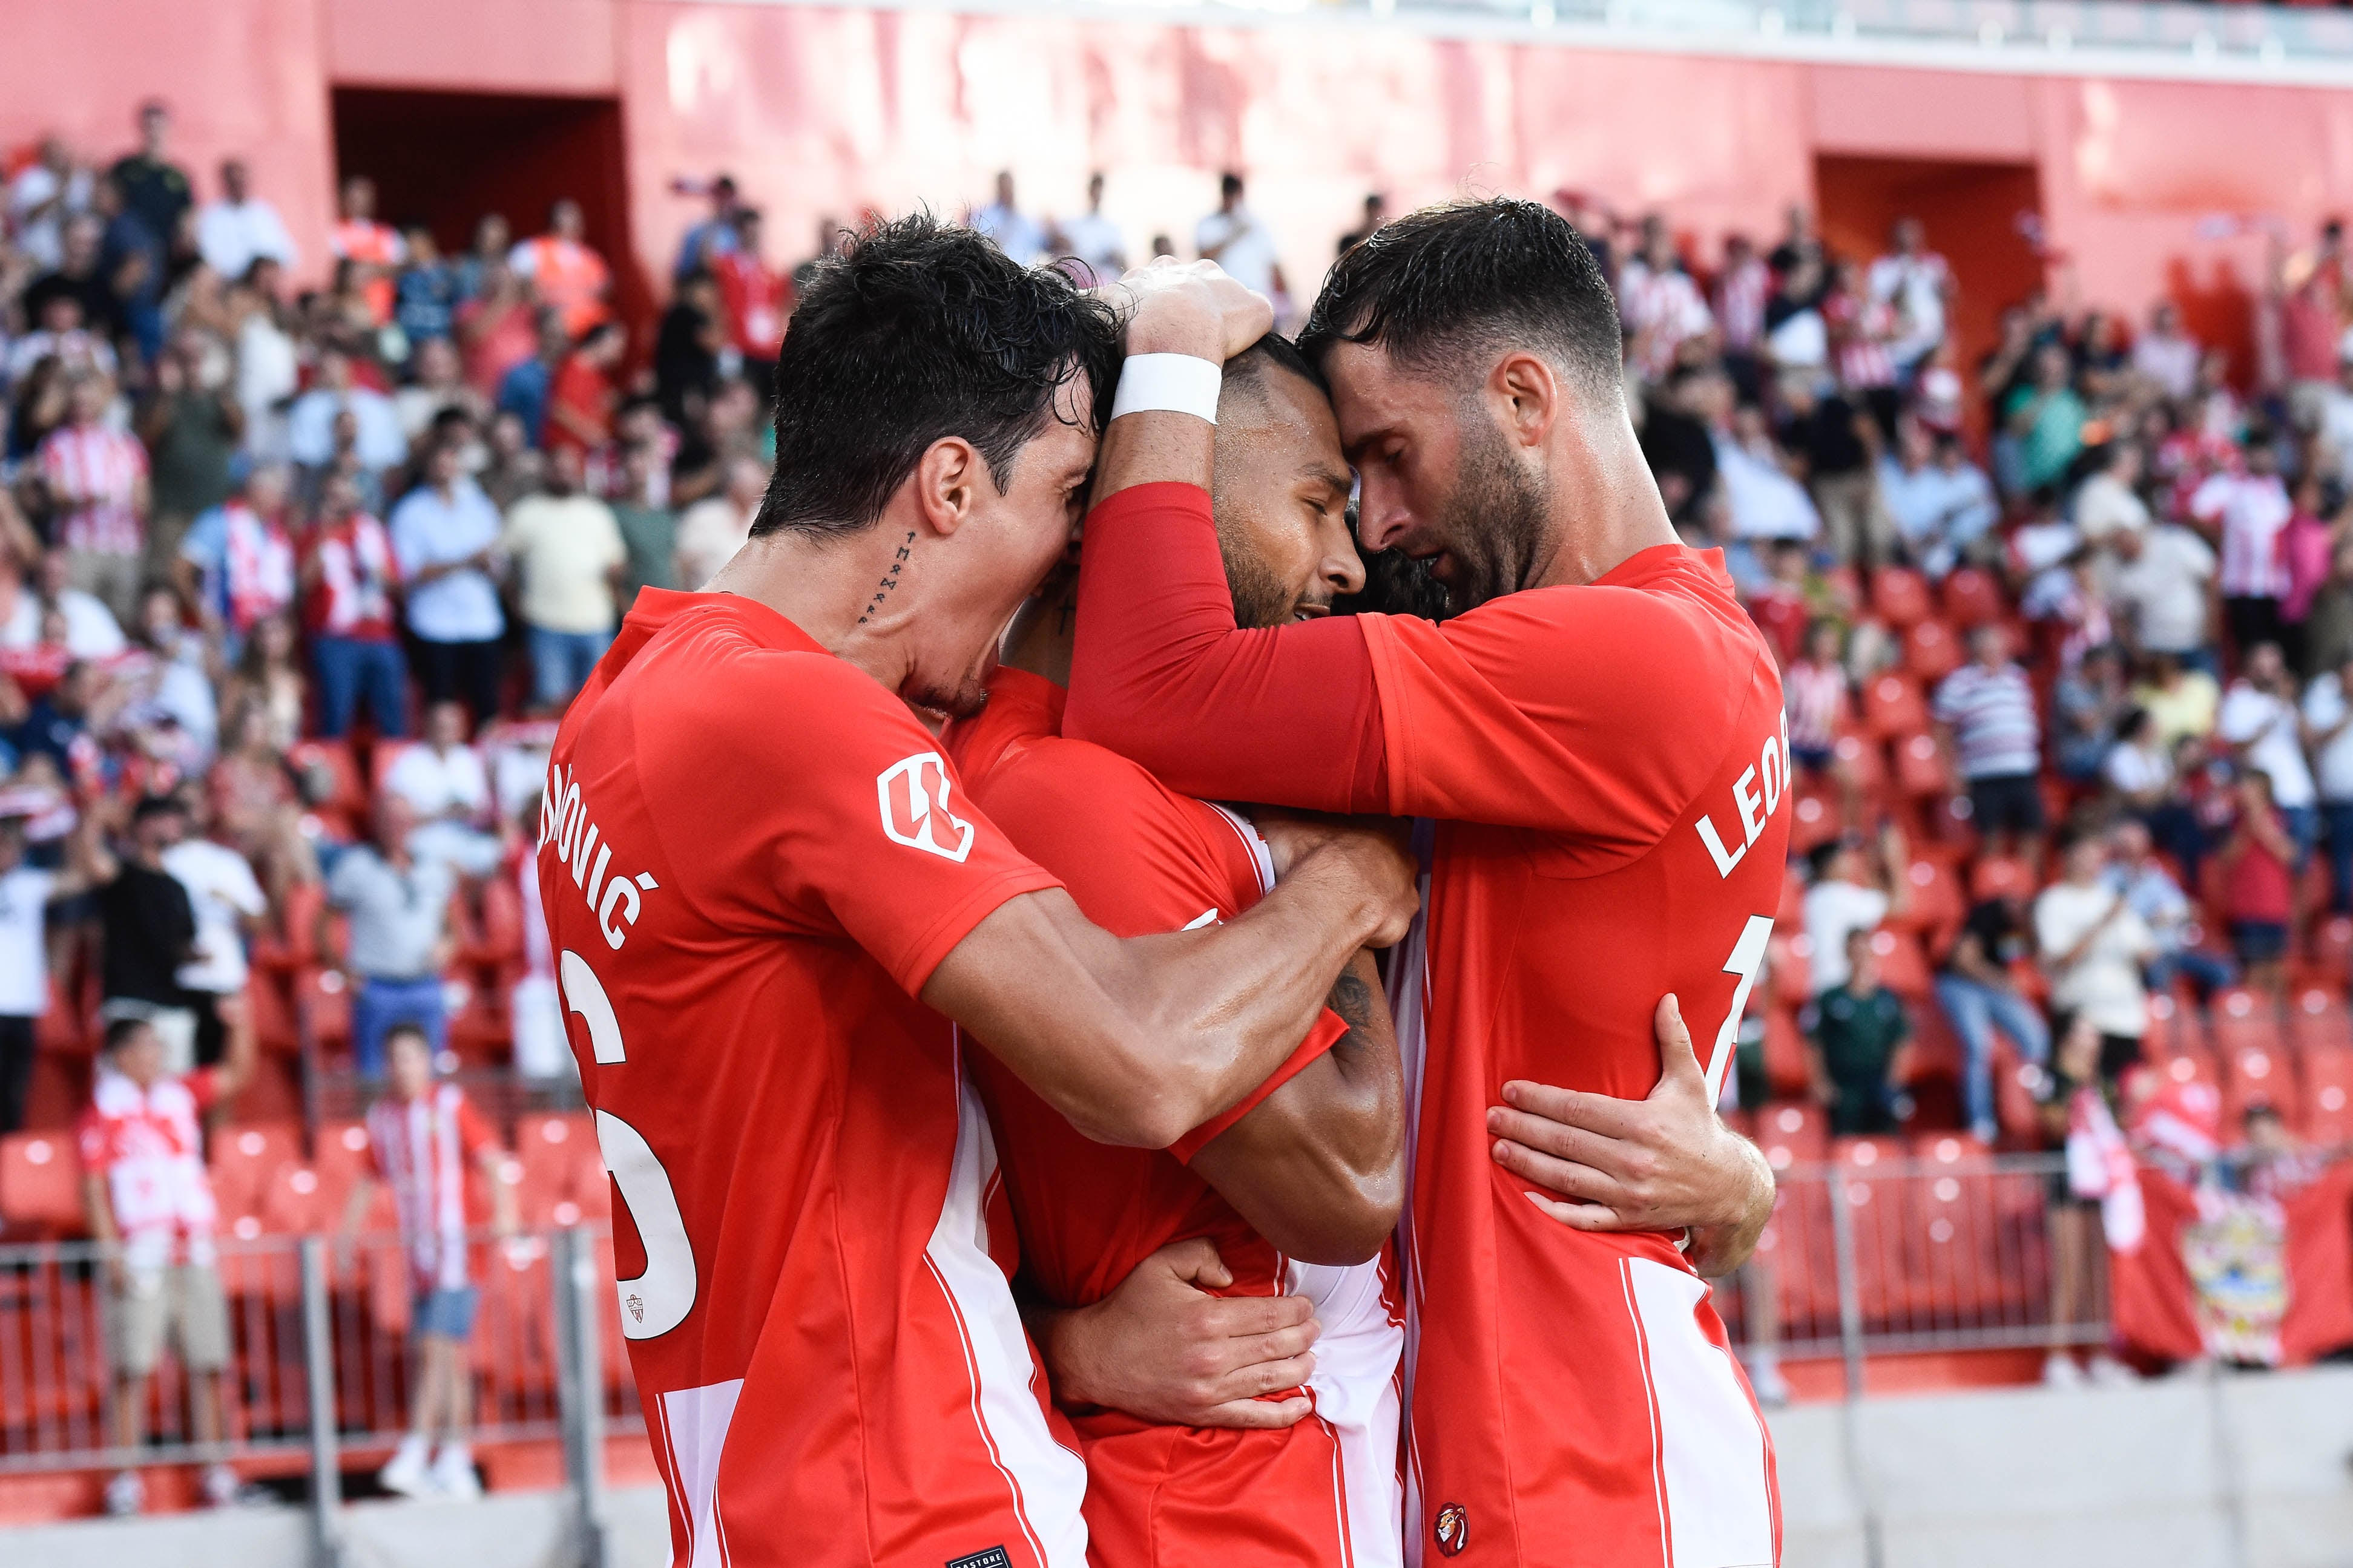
(1351, 999)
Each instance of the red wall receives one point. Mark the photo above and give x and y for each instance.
(824, 113)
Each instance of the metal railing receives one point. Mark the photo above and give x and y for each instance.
(316, 1372)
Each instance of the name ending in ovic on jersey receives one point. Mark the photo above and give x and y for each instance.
(563, 823)
(1756, 795)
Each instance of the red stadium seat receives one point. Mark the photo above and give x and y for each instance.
(325, 996)
(1892, 706)
(2332, 951)
(1813, 819)
(380, 756)
(1787, 1069)
(1900, 596)
(243, 1157)
(1903, 968)
(1864, 760)
(1792, 910)
(2318, 1020)
(40, 1184)
(2328, 1095)
(1920, 768)
(1933, 902)
(349, 794)
(341, 1159)
(1994, 874)
(1972, 598)
(294, 944)
(1790, 960)
(1931, 652)
(1793, 1132)
(291, 1204)
(1877, 1199)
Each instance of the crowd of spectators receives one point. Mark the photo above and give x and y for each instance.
(256, 539)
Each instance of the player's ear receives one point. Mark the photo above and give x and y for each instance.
(1527, 394)
(946, 480)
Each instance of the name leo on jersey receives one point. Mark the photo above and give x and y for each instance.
(1756, 795)
(564, 826)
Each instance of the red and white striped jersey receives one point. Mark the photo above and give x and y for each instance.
(150, 1147)
(94, 472)
(1860, 328)
(425, 1150)
(751, 858)
(2253, 511)
(1740, 298)
(1660, 309)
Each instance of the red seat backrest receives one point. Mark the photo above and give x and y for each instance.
(40, 1182)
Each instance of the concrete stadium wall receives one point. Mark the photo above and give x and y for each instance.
(828, 112)
(2241, 1472)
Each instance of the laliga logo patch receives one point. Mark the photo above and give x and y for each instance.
(1451, 1528)
(914, 796)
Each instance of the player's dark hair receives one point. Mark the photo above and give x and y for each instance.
(918, 331)
(1249, 368)
(1445, 288)
(409, 1029)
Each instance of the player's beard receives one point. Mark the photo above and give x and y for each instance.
(1259, 599)
(1493, 522)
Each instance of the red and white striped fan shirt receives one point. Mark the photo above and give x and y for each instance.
(1740, 297)
(2250, 510)
(423, 1149)
(1860, 328)
(94, 473)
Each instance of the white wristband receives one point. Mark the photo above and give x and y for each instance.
(1168, 384)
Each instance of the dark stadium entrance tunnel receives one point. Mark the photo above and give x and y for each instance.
(447, 158)
(1971, 213)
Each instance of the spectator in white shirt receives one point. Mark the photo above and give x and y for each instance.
(1765, 499)
(1016, 235)
(1850, 895)
(2249, 509)
(444, 532)
(2328, 730)
(2158, 585)
(2166, 356)
(25, 894)
(91, 630)
(1915, 283)
(2260, 722)
(2107, 503)
(1235, 239)
(443, 778)
(228, 904)
(2336, 428)
(713, 529)
(1658, 301)
(2093, 945)
(311, 423)
(1092, 241)
(44, 195)
(240, 228)
(1943, 504)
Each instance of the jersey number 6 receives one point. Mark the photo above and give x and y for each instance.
(658, 1299)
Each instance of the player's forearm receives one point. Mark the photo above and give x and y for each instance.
(1318, 1168)
(1717, 1249)
(1139, 1041)
(1288, 715)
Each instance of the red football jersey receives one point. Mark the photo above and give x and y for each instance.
(752, 857)
(1607, 773)
(1140, 858)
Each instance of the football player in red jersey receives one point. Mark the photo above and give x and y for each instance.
(1298, 1187)
(1596, 737)
(774, 913)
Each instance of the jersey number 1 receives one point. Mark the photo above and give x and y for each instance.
(1748, 958)
(658, 1299)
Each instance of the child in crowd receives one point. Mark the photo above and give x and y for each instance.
(423, 1139)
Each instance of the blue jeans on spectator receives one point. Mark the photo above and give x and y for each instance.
(352, 670)
(561, 663)
(1975, 1010)
(2303, 826)
(2208, 971)
(381, 1004)
(2339, 816)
